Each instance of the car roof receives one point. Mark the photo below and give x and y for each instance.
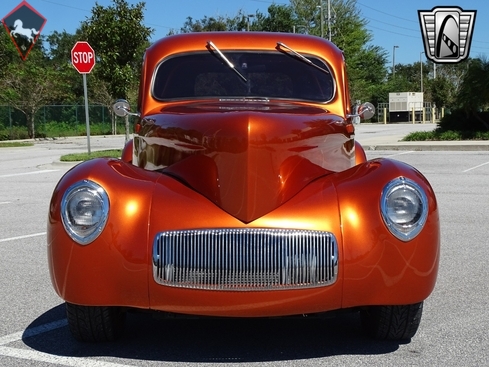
(186, 42)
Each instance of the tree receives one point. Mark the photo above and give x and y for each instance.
(119, 38)
(365, 62)
(29, 85)
(207, 24)
(440, 92)
(281, 18)
(473, 96)
(307, 15)
(8, 52)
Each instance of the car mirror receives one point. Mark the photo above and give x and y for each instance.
(366, 110)
(122, 108)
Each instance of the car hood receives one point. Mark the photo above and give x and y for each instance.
(246, 158)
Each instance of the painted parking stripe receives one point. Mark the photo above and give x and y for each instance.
(29, 173)
(402, 153)
(480, 165)
(22, 237)
(34, 355)
(37, 356)
(33, 331)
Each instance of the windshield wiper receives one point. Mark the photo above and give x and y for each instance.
(301, 57)
(210, 45)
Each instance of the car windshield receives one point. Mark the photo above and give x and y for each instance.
(263, 75)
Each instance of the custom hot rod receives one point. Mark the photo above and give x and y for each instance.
(243, 193)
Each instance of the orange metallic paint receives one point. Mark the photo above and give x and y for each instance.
(299, 159)
(360, 155)
(247, 162)
(374, 267)
(127, 151)
(183, 43)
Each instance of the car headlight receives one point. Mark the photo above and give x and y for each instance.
(404, 208)
(84, 211)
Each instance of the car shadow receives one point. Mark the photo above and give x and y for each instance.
(216, 340)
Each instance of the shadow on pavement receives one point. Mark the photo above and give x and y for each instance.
(216, 340)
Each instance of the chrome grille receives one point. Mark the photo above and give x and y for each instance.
(245, 259)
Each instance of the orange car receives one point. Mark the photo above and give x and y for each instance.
(243, 194)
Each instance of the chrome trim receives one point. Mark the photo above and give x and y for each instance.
(250, 259)
(83, 234)
(404, 232)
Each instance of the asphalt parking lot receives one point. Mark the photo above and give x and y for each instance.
(453, 329)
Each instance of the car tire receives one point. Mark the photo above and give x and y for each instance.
(95, 323)
(392, 322)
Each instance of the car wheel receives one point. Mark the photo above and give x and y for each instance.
(95, 323)
(392, 322)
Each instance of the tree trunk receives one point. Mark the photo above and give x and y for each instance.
(30, 126)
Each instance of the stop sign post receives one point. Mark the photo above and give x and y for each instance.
(83, 60)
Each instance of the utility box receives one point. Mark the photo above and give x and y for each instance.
(401, 106)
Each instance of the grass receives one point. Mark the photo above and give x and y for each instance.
(440, 135)
(77, 157)
(13, 144)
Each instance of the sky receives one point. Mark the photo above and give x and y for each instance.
(391, 22)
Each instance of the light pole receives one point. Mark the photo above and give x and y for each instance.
(321, 15)
(320, 6)
(329, 20)
(248, 25)
(394, 61)
(421, 66)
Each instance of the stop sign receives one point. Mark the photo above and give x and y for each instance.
(83, 57)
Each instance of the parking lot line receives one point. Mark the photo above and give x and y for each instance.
(22, 237)
(478, 166)
(37, 356)
(34, 355)
(402, 153)
(29, 173)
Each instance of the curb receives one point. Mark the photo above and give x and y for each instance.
(429, 147)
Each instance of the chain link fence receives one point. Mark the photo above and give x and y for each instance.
(58, 121)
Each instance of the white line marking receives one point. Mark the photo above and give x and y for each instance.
(34, 355)
(402, 153)
(33, 331)
(480, 165)
(4, 202)
(30, 173)
(22, 237)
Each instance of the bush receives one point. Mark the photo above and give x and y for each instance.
(54, 129)
(439, 134)
(459, 120)
(13, 133)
